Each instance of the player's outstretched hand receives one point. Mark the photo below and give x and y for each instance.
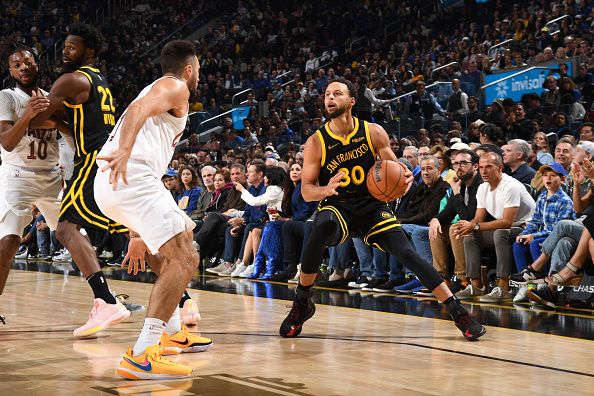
(36, 105)
(333, 184)
(117, 161)
(135, 256)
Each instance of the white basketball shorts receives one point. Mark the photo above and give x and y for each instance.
(19, 189)
(143, 205)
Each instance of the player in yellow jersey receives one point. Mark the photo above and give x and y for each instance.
(337, 159)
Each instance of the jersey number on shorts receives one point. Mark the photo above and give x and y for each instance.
(356, 175)
(108, 109)
(41, 151)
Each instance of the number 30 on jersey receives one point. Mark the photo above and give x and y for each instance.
(355, 175)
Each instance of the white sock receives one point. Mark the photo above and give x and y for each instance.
(149, 335)
(174, 324)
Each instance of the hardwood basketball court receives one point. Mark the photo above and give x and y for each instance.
(342, 351)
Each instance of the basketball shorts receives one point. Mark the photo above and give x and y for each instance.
(78, 203)
(366, 218)
(20, 189)
(143, 205)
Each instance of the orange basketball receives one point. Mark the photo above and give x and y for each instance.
(386, 181)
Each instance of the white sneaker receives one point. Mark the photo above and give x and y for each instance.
(239, 268)
(247, 272)
(521, 295)
(470, 293)
(297, 275)
(22, 254)
(218, 268)
(106, 255)
(227, 270)
(63, 257)
(496, 295)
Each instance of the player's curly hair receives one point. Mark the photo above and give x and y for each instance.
(11, 48)
(92, 38)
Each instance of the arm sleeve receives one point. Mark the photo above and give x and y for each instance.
(512, 195)
(7, 108)
(536, 224)
(378, 102)
(270, 195)
(480, 196)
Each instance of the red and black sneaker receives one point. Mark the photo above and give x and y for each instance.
(303, 309)
(470, 327)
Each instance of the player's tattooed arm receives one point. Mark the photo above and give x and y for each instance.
(381, 145)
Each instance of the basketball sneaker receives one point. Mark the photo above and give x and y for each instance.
(469, 326)
(151, 365)
(303, 309)
(183, 341)
(102, 316)
(189, 313)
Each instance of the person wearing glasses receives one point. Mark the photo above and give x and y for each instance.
(461, 205)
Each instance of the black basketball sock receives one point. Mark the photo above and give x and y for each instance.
(454, 308)
(98, 283)
(184, 298)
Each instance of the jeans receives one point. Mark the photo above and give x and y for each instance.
(373, 263)
(419, 239)
(521, 252)
(339, 255)
(234, 245)
(562, 242)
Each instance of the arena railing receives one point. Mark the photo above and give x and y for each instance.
(552, 24)
(443, 67)
(491, 49)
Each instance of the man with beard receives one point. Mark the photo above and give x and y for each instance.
(461, 204)
(138, 152)
(29, 156)
(84, 95)
(337, 159)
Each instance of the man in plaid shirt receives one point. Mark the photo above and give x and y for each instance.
(552, 206)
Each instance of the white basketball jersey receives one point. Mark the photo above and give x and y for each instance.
(38, 148)
(156, 140)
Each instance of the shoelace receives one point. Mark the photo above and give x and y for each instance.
(94, 310)
(157, 357)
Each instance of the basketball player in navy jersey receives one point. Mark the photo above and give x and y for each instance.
(337, 159)
(83, 95)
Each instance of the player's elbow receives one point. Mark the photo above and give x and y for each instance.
(8, 146)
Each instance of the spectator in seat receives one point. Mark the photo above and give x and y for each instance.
(187, 199)
(503, 209)
(540, 145)
(515, 155)
(461, 205)
(294, 214)
(422, 207)
(552, 206)
(207, 172)
(222, 187)
(458, 101)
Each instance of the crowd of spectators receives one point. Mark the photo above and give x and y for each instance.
(286, 53)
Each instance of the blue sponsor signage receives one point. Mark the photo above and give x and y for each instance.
(239, 114)
(515, 87)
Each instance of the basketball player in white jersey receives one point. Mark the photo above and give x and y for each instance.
(128, 189)
(29, 173)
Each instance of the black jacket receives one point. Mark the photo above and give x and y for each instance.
(456, 206)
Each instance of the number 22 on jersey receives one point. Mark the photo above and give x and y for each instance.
(107, 108)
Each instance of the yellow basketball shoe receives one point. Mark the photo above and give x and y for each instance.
(151, 365)
(184, 341)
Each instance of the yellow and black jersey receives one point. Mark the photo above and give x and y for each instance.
(92, 121)
(354, 155)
